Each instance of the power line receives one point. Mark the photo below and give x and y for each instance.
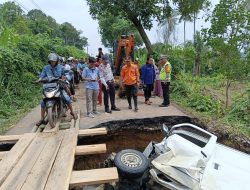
(21, 5)
(36, 5)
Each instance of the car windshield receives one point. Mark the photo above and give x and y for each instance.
(195, 136)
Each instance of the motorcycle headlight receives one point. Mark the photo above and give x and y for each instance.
(49, 94)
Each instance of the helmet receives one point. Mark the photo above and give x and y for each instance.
(53, 57)
(70, 58)
(60, 58)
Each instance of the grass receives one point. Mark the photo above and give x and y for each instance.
(17, 114)
(205, 99)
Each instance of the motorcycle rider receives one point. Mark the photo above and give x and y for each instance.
(54, 70)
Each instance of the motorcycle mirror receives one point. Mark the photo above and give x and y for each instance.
(165, 129)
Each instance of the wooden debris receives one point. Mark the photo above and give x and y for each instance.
(92, 132)
(91, 149)
(92, 177)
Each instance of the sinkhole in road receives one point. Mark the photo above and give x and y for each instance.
(133, 134)
(137, 133)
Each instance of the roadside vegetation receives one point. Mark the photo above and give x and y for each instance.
(211, 77)
(25, 42)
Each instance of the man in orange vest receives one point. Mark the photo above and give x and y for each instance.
(130, 80)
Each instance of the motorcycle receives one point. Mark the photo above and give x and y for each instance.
(70, 80)
(52, 97)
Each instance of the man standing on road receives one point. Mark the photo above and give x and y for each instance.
(108, 85)
(91, 75)
(130, 80)
(148, 78)
(165, 77)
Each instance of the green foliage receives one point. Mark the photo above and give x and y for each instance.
(36, 22)
(240, 109)
(17, 74)
(111, 28)
(25, 42)
(141, 12)
(229, 38)
(192, 90)
(204, 103)
(181, 88)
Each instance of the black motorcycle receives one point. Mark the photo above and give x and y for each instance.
(52, 97)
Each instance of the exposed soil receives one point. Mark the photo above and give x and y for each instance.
(132, 138)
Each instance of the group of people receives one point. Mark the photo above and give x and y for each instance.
(150, 76)
(98, 79)
(156, 78)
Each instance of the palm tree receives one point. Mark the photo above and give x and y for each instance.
(167, 28)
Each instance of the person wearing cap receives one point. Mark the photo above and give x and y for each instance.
(165, 77)
(108, 85)
(130, 80)
(91, 75)
(54, 70)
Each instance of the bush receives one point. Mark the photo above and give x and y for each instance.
(240, 109)
(180, 87)
(200, 103)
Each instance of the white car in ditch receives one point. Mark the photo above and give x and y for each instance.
(188, 158)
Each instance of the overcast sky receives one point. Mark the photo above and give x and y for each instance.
(76, 12)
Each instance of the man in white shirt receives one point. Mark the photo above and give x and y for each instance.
(107, 79)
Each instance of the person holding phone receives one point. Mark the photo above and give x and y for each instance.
(91, 75)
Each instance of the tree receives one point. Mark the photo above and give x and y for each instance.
(168, 28)
(9, 13)
(229, 36)
(199, 46)
(72, 36)
(41, 23)
(139, 12)
(188, 10)
(112, 27)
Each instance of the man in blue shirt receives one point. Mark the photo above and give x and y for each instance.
(147, 78)
(54, 70)
(91, 75)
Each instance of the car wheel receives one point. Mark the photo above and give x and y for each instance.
(131, 163)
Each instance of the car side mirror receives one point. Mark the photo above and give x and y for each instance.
(165, 130)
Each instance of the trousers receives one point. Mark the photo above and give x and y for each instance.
(91, 99)
(165, 90)
(131, 91)
(109, 94)
(147, 91)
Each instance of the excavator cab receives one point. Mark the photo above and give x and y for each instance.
(122, 49)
